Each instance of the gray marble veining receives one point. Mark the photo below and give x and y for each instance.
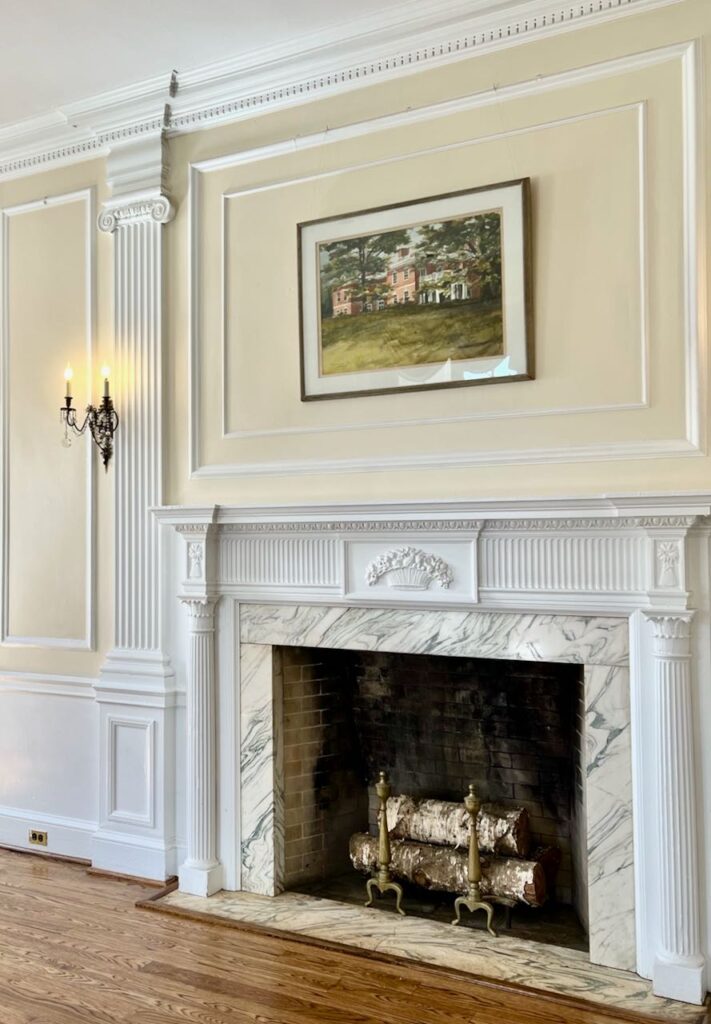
(261, 778)
(599, 643)
(592, 640)
(506, 958)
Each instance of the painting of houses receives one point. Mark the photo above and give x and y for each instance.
(429, 293)
(421, 294)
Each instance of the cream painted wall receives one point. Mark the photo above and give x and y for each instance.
(58, 308)
(55, 298)
(618, 404)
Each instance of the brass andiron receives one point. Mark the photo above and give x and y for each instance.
(473, 901)
(383, 881)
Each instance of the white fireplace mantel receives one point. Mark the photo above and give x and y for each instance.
(646, 559)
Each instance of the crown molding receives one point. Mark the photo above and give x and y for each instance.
(375, 48)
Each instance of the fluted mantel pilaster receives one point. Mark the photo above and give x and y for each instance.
(201, 874)
(679, 966)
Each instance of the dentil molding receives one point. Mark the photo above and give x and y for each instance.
(375, 48)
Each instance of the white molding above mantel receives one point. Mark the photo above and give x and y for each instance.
(607, 507)
(615, 555)
(378, 47)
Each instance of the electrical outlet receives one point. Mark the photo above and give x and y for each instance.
(37, 838)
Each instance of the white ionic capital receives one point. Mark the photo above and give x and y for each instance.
(201, 873)
(156, 210)
(679, 964)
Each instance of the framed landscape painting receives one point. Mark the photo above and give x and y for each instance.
(428, 294)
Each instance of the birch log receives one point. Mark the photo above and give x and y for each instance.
(503, 831)
(444, 869)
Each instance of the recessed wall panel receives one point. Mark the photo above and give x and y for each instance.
(48, 488)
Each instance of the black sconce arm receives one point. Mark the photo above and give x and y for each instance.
(101, 420)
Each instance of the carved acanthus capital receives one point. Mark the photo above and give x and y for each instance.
(201, 612)
(671, 633)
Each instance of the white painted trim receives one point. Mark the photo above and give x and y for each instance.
(393, 43)
(381, 515)
(148, 727)
(34, 684)
(68, 837)
(695, 338)
(642, 793)
(694, 192)
(87, 642)
(130, 854)
(455, 460)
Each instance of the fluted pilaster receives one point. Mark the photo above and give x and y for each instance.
(136, 687)
(201, 874)
(679, 966)
(137, 230)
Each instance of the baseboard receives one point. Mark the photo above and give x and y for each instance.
(66, 837)
(138, 856)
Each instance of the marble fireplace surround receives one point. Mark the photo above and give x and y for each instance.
(599, 644)
(620, 586)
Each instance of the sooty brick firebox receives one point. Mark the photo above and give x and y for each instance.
(435, 724)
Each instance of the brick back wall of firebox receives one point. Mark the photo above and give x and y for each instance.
(435, 724)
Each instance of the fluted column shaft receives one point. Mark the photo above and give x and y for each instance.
(201, 874)
(679, 966)
(138, 321)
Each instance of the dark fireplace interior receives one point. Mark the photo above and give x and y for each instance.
(435, 725)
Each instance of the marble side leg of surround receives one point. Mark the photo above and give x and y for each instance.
(679, 965)
(608, 806)
(201, 873)
(261, 770)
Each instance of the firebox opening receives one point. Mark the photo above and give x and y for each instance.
(435, 724)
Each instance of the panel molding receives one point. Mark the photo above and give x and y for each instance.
(691, 445)
(86, 642)
(147, 726)
(386, 46)
(643, 402)
(33, 684)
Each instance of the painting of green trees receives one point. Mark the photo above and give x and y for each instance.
(420, 294)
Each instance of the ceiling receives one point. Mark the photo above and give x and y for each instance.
(55, 52)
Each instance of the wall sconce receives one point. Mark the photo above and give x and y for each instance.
(101, 420)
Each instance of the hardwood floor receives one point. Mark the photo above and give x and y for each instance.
(74, 948)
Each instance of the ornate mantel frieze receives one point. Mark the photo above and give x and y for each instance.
(630, 555)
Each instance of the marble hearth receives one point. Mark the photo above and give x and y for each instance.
(605, 586)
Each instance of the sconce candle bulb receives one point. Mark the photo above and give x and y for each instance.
(101, 420)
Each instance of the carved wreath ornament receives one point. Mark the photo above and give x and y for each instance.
(409, 569)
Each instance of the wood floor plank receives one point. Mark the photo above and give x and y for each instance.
(74, 949)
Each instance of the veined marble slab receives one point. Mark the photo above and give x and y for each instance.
(608, 810)
(532, 964)
(261, 774)
(600, 644)
(590, 640)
